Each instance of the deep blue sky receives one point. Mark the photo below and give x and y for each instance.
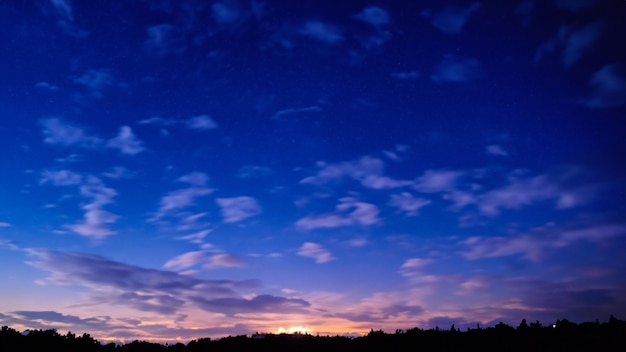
(177, 169)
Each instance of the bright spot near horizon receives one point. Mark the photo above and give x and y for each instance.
(293, 330)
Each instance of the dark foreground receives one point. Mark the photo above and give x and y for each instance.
(562, 336)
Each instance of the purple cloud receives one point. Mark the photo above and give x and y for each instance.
(315, 251)
(349, 212)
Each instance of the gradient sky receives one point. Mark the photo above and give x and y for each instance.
(180, 169)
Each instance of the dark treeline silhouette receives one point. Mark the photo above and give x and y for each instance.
(562, 336)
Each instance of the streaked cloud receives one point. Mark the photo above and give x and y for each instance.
(315, 251)
(237, 209)
(126, 142)
(408, 203)
(496, 150)
(534, 244)
(433, 181)
(374, 15)
(198, 123)
(349, 212)
(367, 170)
(456, 69)
(322, 32)
(452, 19)
(59, 132)
(608, 88)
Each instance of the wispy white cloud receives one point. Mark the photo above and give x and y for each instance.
(408, 203)
(47, 85)
(59, 132)
(63, 8)
(292, 111)
(349, 212)
(374, 15)
(238, 208)
(496, 150)
(456, 69)
(405, 75)
(184, 197)
(525, 10)
(534, 244)
(253, 171)
(225, 12)
(224, 260)
(165, 39)
(201, 123)
(126, 142)
(96, 220)
(433, 181)
(453, 19)
(196, 237)
(186, 260)
(580, 42)
(608, 88)
(5, 224)
(119, 172)
(97, 81)
(367, 170)
(60, 177)
(322, 31)
(315, 251)
(198, 123)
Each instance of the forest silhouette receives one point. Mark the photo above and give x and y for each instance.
(561, 336)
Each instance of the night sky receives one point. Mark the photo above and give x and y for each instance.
(182, 169)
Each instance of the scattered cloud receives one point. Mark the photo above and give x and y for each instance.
(405, 75)
(198, 123)
(260, 303)
(186, 260)
(253, 171)
(225, 12)
(374, 15)
(496, 150)
(97, 81)
(96, 220)
(349, 212)
(238, 208)
(453, 19)
(315, 251)
(433, 181)
(164, 39)
(456, 69)
(201, 123)
(5, 224)
(408, 203)
(574, 5)
(46, 85)
(223, 260)
(184, 197)
(117, 283)
(126, 142)
(196, 237)
(59, 132)
(119, 172)
(580, 42)
(367, 170)
(63, 8)
(60, 178)
(608, 88)
(293, 111)
(534, 244)
(525, 10)
(322, 32)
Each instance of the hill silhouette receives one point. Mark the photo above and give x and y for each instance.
(561, 336)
